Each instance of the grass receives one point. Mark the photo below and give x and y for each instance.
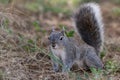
(103, 53)
(24, 57)
(1, 75)
(5, 1)
(48, 6)
(112, 67)
(116, 11)
(4, 26)
(57, 7)
(116, 1)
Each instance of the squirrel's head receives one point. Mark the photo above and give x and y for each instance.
(56, 39)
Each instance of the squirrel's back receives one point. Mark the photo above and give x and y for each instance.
(88, 22)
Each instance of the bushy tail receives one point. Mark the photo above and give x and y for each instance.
(88, 22)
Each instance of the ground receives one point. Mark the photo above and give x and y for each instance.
(24, 53)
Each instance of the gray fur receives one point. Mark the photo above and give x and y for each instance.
(68, 52)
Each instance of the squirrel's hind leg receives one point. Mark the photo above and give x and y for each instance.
(67, 64)
(92, 60)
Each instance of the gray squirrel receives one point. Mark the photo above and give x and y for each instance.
(89, 26)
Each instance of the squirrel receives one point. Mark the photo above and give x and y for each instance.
(89, 26)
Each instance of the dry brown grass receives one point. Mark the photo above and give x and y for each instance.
(24, 52)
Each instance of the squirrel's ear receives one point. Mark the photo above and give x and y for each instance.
(63, 31)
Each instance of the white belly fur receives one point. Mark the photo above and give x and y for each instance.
(59, 52)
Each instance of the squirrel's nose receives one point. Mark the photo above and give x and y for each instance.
(53, 45)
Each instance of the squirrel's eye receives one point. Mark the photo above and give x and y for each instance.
(61, 37)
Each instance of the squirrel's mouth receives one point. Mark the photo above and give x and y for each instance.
(53, 46)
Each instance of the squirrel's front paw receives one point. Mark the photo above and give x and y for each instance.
(56, 67)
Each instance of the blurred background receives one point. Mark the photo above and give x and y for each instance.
(25, 26)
